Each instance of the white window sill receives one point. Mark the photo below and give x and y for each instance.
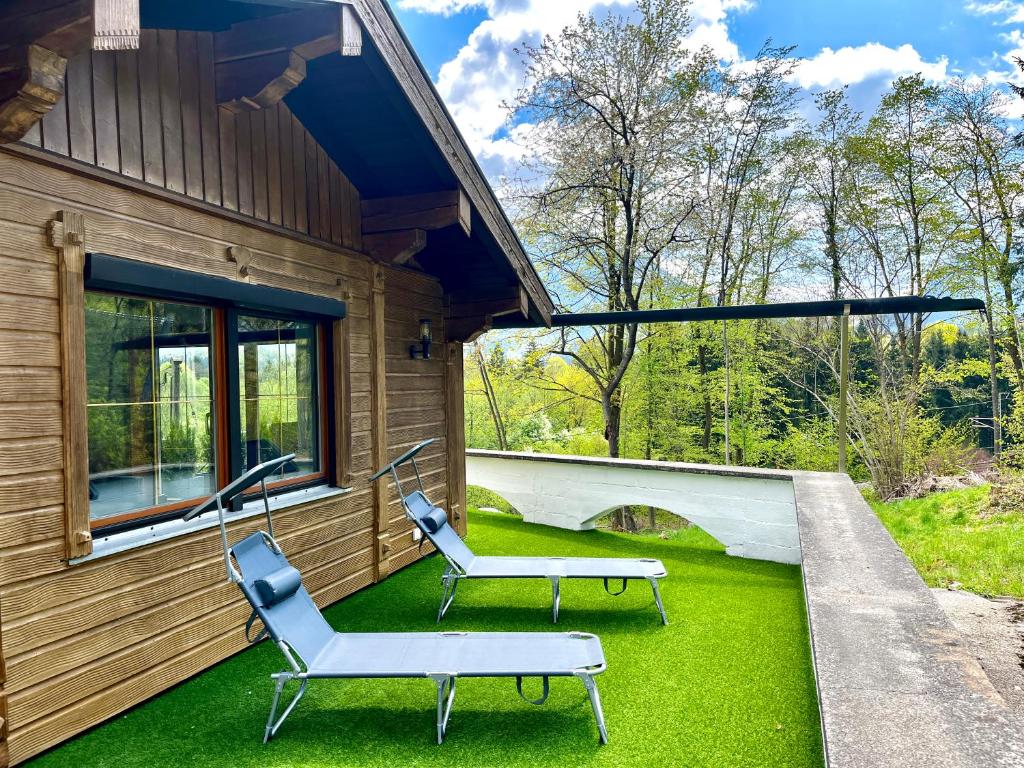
(104, 546)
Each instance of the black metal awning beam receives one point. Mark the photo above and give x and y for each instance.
(896, 305)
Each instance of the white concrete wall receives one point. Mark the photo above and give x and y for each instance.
(752, 512)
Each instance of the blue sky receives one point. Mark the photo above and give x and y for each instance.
(467, 45)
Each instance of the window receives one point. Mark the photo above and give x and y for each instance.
(277, 371)
(182, 397)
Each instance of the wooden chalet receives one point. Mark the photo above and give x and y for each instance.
(225, 228)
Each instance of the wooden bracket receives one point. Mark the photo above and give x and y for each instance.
(115, 25)
(242, 256)
(36, 41)
(396, 247)
(469, 317)
(260, 61)
(67, 236)
(36, 86)
(351, 32)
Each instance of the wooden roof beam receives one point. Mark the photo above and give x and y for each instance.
(258, 62)
(469, 317)
(431, 210)
(36, 41)
(396, 247)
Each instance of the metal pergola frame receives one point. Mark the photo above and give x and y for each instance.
(843, 308)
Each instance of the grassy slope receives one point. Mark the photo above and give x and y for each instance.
(949, 539)
(728, 683)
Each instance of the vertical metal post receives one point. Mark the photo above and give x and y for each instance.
(844, 376)
(725, 348)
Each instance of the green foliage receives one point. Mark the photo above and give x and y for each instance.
(956, 537)
(728, 683)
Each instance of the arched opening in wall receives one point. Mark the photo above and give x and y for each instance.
(488, 501)
(643, 519)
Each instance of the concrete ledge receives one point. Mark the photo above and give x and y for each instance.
(897, 686)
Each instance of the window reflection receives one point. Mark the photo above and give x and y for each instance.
(150, 409)
(277, 373)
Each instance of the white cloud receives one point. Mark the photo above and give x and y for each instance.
(849, 65)
(1008, 11)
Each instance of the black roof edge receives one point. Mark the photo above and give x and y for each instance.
(831, 308)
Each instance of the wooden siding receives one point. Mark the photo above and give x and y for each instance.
(151, 115)
(82, 643)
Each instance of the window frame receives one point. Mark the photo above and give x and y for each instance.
(227, 299)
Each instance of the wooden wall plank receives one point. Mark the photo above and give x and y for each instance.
(149, 108)
(78, 90)
(129, 126)
(24, 384)
(104, 91)
(27, 313)
(284, 132)
(26, 420)
(34, 136)
(312, 184)
(55, 128)
(208, 119)
(170, 110)
(243, 139)
(323, 176)
(355, 216)
(258, 127)
(188, 71)
(228, 159)
(299, 160)
(273, 165)
(344, 209)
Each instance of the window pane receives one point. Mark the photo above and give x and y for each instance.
(277, 375)
(150, 403)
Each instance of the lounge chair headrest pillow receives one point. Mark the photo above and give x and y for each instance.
(276, 586)
(434, 520)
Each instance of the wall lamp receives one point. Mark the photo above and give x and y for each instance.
(422, 350)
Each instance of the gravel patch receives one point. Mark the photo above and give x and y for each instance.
(994, 631)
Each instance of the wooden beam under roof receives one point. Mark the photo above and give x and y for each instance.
(431, 210)
(395, 247)
(259, 61)
(470, 316)
(37, 39)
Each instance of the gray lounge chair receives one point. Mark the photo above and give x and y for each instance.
(313, 650)
(463, 564)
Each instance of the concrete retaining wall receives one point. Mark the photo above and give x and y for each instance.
(752, 512)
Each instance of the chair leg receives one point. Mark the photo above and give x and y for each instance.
(595, 701)
(445, 699)
(282, 679)
(657, 600)
(556, 598)
(449, 582)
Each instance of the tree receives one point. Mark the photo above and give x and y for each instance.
(737, 117)
(606, 195)
(829, 175)
(981, 165)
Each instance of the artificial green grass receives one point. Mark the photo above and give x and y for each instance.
(951, 537)
(728, 683)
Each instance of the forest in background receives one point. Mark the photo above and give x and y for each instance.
(656, 176)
